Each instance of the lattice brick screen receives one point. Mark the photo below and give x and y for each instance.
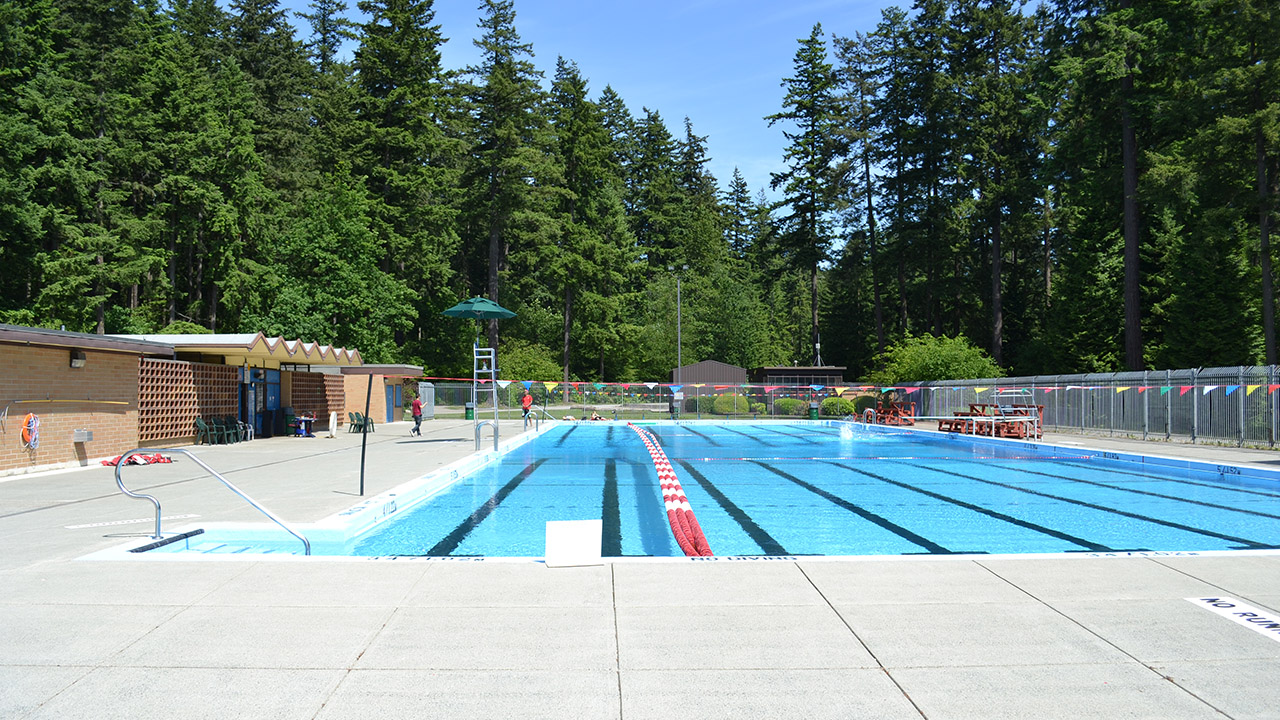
(172, 393)
(335, 392)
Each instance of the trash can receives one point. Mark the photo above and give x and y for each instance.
(813, 411)
(471, 411)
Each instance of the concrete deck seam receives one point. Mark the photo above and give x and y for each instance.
(1211, 584)
(862, 642)
(617, 639)
(1119, 649)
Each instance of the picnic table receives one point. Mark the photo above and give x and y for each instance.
(1018, 421)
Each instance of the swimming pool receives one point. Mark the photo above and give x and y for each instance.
(776, 489)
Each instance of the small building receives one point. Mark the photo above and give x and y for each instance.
(80, 390)
(710, 372)
(784, 375)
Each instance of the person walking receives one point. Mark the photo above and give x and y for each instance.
(526, 406)
(416, 409)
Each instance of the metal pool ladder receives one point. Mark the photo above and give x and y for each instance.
(306, 545)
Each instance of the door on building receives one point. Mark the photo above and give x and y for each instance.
(395, 401)
(266, 391)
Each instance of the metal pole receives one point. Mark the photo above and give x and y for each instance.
(364, 435)
(679, 339)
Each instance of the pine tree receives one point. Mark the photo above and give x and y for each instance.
(808, 187)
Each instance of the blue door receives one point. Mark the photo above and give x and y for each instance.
(391, 403)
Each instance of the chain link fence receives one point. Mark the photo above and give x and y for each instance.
(1226, 405)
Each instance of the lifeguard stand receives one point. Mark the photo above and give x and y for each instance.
(484, 365)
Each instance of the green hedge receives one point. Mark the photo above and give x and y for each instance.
(700, 403)
(759, 408)
(836, 406)
(731, 404)
(790, 406)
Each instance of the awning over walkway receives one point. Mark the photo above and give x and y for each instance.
(254, 349)
(391, 370)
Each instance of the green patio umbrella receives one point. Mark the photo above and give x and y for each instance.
(480, 309)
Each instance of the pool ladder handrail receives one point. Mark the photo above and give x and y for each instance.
(306, 544)
(480, 426)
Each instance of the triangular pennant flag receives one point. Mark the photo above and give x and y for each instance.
(676, 388)
(699, 384)
(575, 385)
(1232, 388)
(1184, 389)
(651, 385)
(598, 386)
(503, 384)
(1209, 388)
(1143, 388)
(1272, 388)
(550, 386)
(626, 386)
(771, 388)
(1121, 389)
(722, 387)
(1048, 389)
(1165, 390)
(816, 387)
(981, 390)
(527, 384)
(1249, 390)
(839, 390)
(911, 390)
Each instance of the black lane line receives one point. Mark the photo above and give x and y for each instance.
(762, 538)
(1180, 481)
(704, 436)
(611, 539)
(609, 437)
(809, 440)
(1201, 503)
(566, 435)
(985, 511)
(1177, 526)
(865, 514)
(460, 533)
(757, 438)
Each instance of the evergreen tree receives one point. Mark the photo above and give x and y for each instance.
(807, 184)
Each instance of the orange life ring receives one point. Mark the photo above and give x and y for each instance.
(30, 428)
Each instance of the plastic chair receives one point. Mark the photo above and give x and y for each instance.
(239, 430)
(353, 425)
(205, 433)
(220, 429)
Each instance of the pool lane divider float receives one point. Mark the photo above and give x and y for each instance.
(684, 526)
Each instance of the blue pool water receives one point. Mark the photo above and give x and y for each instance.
(810, 489)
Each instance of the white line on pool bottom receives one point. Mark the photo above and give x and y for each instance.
(1267, 623)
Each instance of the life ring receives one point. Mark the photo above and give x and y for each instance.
(31, 431)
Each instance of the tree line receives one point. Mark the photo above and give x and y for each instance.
(1086, 185)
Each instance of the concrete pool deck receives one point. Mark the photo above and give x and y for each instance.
(327, 638)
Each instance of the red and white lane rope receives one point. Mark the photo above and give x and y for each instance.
(684, 525)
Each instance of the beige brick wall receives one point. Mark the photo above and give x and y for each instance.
(38, 373)
(356, 386)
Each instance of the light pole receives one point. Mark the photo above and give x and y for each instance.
(679, 342)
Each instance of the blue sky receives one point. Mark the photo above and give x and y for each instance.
(719, 62)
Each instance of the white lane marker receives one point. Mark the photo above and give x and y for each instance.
(1263, 621)
(127, 522)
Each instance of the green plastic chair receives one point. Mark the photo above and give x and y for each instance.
(205, 433)
(226, 434)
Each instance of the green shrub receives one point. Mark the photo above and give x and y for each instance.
(790, 406)
(731, 404)
(862, 403)
(836, 406)
(700, 403)
(925, 358)
(759, 408)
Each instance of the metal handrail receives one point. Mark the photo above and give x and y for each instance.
(306, 544)
(480, 428)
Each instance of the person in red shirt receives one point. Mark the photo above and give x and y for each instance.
(416, 409)
(526, 404)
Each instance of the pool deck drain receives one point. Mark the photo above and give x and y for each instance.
(971, 637)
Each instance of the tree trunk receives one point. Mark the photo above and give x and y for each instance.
(1264, 241)
(997, 308)
(568, 323)
(813, 311)
(871, 227)
(102, 304)
(1129, 149)
(1048, 254)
